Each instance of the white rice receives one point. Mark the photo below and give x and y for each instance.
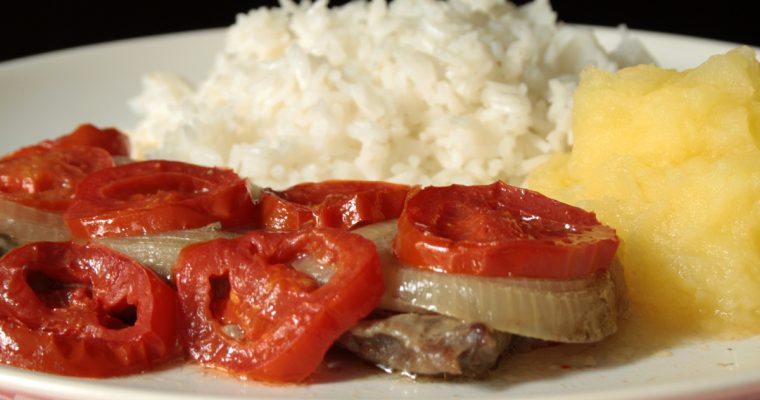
(415, 91)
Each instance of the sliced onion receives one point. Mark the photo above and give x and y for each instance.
(254, 190)
(158, 252)
(122, 160)
(24, 224)
(572, 311)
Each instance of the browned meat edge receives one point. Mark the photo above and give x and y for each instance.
(427, 344)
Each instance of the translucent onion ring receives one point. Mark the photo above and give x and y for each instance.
(159, 251)
(24, 224)
(569, 311)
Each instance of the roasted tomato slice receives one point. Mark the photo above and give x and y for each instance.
(83, 310)
(246, 311)
(158, 196)
(500, 230)
(47, 180)
(336, 204)
(111, 140)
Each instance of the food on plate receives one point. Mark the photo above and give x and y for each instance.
(410, 91)
(244, 310)
(336, 204)
(157, 196)
(83, 310)
(414, 92)
(671, 160)
(38, 182)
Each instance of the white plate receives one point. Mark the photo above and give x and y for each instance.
(47, 95)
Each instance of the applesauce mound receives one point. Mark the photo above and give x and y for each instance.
(672, 161)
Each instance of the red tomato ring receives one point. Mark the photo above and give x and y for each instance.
(285, 321)
(111, 140)
(83, 310)
(334, 204)
(500, 230)
(47, 180)
(158, 196)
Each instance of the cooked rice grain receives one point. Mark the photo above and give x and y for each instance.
(415, 91)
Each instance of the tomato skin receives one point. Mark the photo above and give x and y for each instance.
(335, 204)
(47, 180)
(288, 322)
(111, 140)
(158, 196)
(500, 230)
(60, 307)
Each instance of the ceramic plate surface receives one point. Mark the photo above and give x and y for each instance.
(47, 95)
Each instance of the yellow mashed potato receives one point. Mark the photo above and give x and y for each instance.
(672, 161)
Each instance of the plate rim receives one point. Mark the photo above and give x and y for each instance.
(136, 40)
(28, 382)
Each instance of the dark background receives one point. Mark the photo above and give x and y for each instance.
(32, 27)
